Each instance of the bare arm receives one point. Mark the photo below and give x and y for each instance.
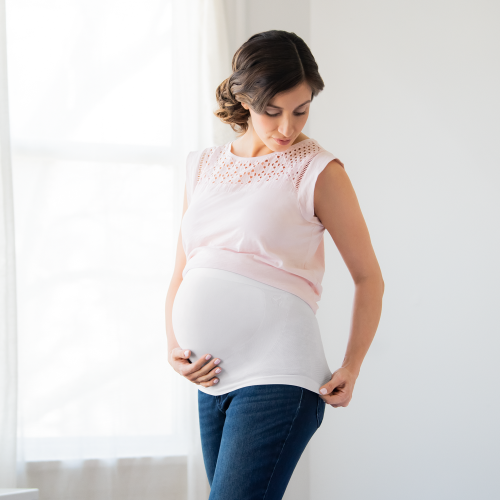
(337, 207)
(204, 371)
(175, 282)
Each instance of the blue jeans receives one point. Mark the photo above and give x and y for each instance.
(252, 438)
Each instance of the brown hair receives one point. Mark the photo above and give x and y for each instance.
(267, 63)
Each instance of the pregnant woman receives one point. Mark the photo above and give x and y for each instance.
(241, 307)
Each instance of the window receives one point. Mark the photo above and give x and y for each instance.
(96, 197)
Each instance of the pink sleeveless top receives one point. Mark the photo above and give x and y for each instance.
(255, 216)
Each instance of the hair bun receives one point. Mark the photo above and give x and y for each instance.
(230, 109)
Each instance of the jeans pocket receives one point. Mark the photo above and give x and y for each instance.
(320, 411)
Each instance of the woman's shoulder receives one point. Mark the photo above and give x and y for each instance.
(323, 152)
(315, 144)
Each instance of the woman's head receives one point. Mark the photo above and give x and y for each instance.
(271, 70)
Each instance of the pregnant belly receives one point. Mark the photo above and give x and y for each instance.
(217, 316)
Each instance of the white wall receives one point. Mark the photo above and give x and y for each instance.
(412, 107)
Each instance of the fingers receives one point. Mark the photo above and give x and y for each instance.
(206, 373)
(201, 372)
(210, 378)
(336, 392)
(338, 403)
(337, 400)
(178, 353)
(331, 385)
(201, 367)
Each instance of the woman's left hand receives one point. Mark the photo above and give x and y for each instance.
(339, 388)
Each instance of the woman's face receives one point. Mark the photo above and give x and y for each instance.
(283, 118)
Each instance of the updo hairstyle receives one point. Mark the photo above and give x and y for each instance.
(266, 64)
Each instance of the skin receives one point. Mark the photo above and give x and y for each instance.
(337, 207)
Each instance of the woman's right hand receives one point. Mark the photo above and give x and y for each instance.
(202, 372)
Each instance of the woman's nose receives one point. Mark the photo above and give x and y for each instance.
(286, 128)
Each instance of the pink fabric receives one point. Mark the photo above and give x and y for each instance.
(255, 216)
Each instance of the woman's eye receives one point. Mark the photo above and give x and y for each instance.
(277, 114)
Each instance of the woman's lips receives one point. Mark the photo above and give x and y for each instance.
(282, 142)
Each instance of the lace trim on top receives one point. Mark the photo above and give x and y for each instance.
(227, 168)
